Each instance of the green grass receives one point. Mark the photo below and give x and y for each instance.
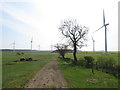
(78, 77)
(94, 54)
(18, 74)
(10, 56)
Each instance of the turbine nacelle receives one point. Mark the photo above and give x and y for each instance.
(106, 24)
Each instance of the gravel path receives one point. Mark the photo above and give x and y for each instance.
(48, 77)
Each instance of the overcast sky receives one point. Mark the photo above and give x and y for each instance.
(23, 19)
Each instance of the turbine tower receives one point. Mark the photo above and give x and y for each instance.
(14, 46)
(93, 44)
(31, 43)
(51, 47)
(39, 47)
(104, 25)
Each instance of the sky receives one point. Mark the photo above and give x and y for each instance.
(22, 20)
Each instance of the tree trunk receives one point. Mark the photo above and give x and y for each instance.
(74, 53)
(63, 57)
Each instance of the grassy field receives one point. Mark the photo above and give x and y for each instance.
(81, 77)
(113, 55)
(17, 74)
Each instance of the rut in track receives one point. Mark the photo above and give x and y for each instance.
(48, 77)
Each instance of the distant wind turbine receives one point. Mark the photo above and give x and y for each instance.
(51, 47)
(13, 46)
(104, 25)
(93, 44)
(31, 43)
(39, 47)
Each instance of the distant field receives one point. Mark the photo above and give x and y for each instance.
(10, 56)
(94, 54)
(17, 74)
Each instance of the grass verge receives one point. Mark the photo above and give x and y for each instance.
(79, 77)
(16, 76)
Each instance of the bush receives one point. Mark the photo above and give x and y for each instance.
(68, 59)
(22, 53)
(22, 59)
(108, 65)
(25, 59)
(82, 62)
(89, 61)
(28, 59)
(18, 53)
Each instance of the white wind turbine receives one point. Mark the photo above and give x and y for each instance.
(104, 25)
(31, 43)
(93, 43)
(14, 45)
(39, 47)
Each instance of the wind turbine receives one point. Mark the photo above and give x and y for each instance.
(13, 46)
(93, 44)
(104, 25)
(31, 43)
(51, 47)
(39, 47)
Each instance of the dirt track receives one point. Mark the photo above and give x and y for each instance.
(48, 77)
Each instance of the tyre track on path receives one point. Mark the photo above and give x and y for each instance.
(48, 77)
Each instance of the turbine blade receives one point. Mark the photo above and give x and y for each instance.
(98, 29)
(92, 37)
(108, 29)
(103, 17)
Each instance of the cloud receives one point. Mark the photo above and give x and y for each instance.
(22, 17)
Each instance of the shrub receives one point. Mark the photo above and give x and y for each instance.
(100, 63)
(18, 53)
(68, 59)
(82, 62)
(108, 65)
(89, 61)
(22, 59)
(28, 59)
(25, 59)
(22, 53)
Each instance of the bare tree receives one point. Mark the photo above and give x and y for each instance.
(62, 49)
(75, 33)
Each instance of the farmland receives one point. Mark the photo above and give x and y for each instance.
(16, 74)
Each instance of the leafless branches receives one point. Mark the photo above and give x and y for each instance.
(75, 33)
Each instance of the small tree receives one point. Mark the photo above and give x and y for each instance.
(75, 33)
(62, 49)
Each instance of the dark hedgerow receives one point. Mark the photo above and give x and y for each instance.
(108, 65)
